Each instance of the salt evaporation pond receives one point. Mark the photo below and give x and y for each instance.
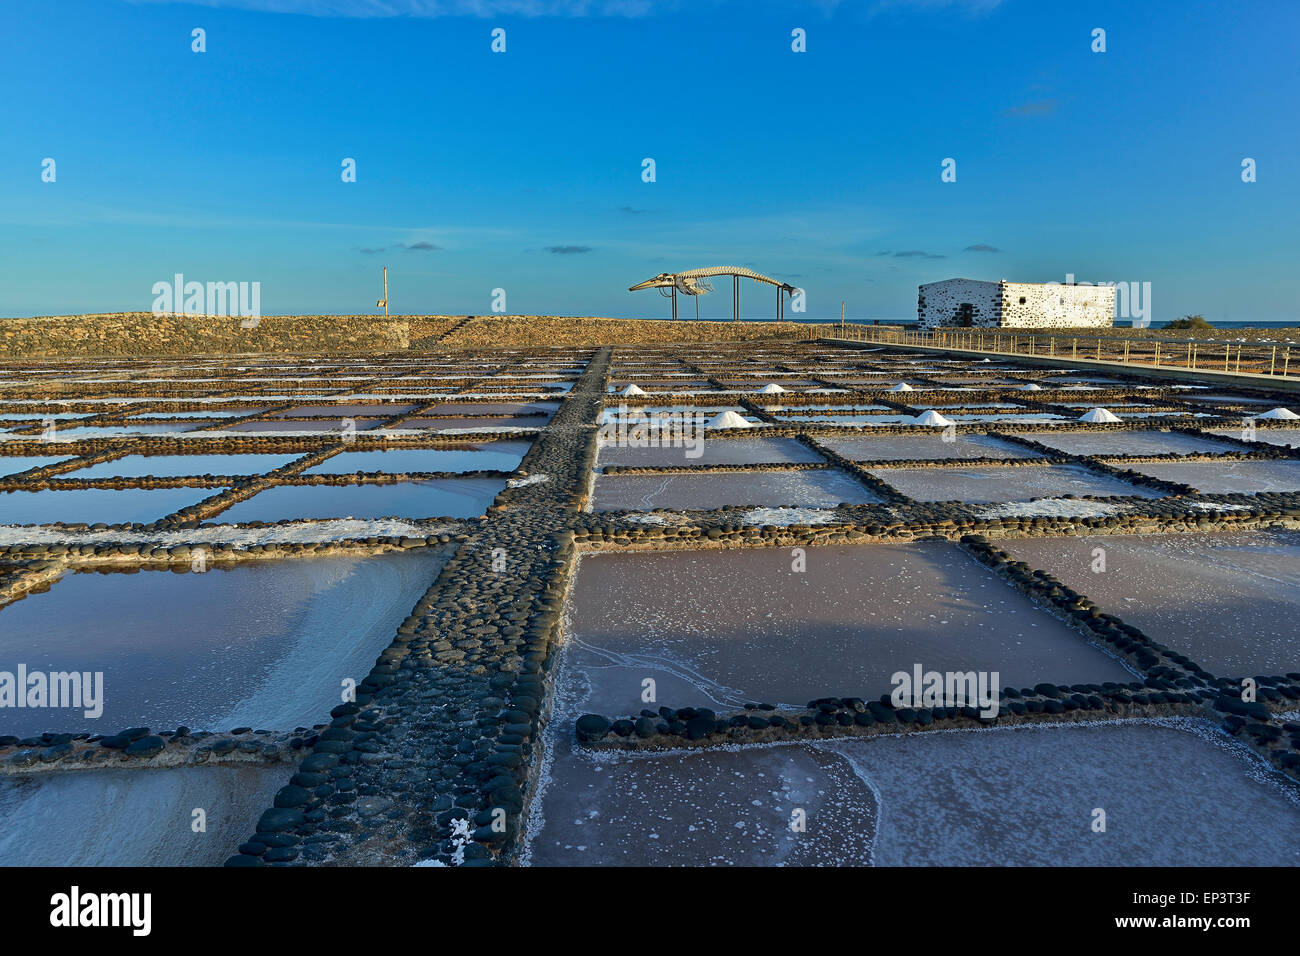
(712, 451)
(1227, 600)
(1022, 483)
(1271, 436)
(1005, 797)
(14, 465)
(302, 425)
(721, 628)
(1129, 443)
(171, 466)
(481, 423)
(489, 456)
(93, 505)
(132, 817)
(348, 411)
(1228, 477)
(798, 489)
(262, 644)
(432, 498)
(918, 447)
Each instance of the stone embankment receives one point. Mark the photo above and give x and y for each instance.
(143, 333)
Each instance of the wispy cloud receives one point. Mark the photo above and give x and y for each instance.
(364, 9)
(567, 250)
(422, 246)
(1034, 108)
(632, 211)
(981, 247)
(917, 254)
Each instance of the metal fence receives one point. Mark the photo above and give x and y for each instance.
(1257, 359)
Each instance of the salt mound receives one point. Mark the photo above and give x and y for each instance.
(1279, 413)
(633, 389)
(771, 389)
(902, 387)
(932, 418)
(1098, 415)
(1031, 387)
(727, 420)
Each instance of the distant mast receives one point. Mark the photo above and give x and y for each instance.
(384, 301)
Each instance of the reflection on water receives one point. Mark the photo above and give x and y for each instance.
(93, 505)
(263, 644)
(435, 498)
(489, 456)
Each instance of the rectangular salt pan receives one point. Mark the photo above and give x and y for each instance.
(715, 451)
(94, 505)
(795, 489)
(433, 498)
(264, 644)
(726, 627)
(978, 484)
(1228, 601)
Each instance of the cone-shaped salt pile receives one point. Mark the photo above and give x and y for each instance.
(901, 387)
(633, 390)
(771, 389)
(1031, 387)
(1280, 413)
(933, 418)
(1098, 415)
(727, 420)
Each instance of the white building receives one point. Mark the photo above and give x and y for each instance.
(970, 303)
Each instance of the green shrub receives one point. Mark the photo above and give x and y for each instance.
(1190, 322)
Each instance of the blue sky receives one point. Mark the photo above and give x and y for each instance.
(523, 170)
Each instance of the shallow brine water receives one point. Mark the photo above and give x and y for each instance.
(168, 466)
(93, 505)
(1006, 797)
(489, 456)
(725, 627)
(14, 465)
(1270, 436)
(1228, 601)
(1229, 477)
(432, 498)
(1128, 443)
(993, 484)
(798, 489)
(132, 817)
(917, 447)
(265, 645)
(713, 451)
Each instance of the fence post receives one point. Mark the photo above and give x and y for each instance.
(1272, 364)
